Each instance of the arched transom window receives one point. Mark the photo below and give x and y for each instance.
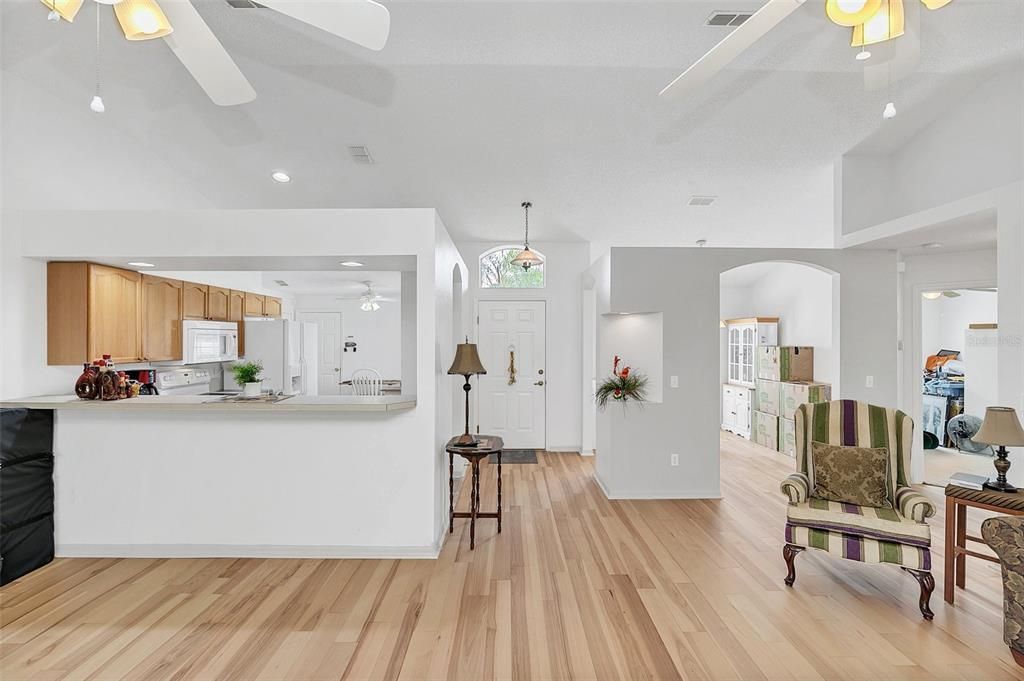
(497, 270)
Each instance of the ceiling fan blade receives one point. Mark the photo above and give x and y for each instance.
(362, 22)
(203, 55)
(722, 54)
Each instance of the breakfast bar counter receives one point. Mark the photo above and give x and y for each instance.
(218, 403)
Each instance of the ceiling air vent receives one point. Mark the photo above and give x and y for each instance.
(701, 201)
(732, 19)
(280, 282)
(360, 154)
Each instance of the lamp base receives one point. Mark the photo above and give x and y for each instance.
(466, 440)
(997, 486)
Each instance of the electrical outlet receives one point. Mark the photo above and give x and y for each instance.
(673, 381)
(675, 460)
(869, 382)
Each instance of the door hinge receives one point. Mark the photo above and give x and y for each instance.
(478, 429)
(478, 320)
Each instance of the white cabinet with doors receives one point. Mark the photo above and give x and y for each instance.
(737, 405)
(744, 337)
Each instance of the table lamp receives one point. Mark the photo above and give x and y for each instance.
(466, 363)
(1001, 428)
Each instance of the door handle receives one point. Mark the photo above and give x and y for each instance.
(336, 369)
(539, 383)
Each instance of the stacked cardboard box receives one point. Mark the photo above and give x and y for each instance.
(785, 380)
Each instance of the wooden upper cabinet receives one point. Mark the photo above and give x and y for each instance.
(194, 300)
(217, 303)
(253, 305)
(271, 307)
(236, 313)
(161, 318)
(115, 306)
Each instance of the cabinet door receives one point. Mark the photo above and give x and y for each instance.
(272, 307)
(743, 415)
(728, 409)
(236, 312)
(194, 300)
(115, 319)
(253, 305)
(161, 318)
(217, 303)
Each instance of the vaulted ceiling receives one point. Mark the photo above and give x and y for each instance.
(475, 106)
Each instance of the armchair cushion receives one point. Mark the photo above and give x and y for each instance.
(914, 505)
(796, 487)
(1005, 535)
(860, 549)
(884, 524)
(854, 475)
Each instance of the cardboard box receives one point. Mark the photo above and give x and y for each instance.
(804, 392)
(787, 437)
(769, 397)
(785, 363)
(765, 430)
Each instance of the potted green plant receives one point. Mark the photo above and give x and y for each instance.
(623, 386)
(248, 375)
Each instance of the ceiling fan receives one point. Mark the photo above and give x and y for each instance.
(368, 300)
(363, 22)
(872, 22)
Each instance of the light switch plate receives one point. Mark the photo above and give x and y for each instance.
(675, 459)
(673, 381)
(869, 382)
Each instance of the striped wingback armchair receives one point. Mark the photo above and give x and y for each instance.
(896, 534)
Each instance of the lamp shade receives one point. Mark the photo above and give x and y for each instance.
(142, 19)
(67, 9)
(1001, 427)
(886, 24)
(467, 361)
(527, 259)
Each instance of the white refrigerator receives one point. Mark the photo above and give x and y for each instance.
(288, 351)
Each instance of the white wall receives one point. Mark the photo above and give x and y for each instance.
(564, 265)
(683, 284)
(944, 321)
(413, 442)
(378, 334)
(801, 297)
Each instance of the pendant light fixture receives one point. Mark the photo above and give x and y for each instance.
(851, 12)
(886, 24)
(142, 19)
(527, 258)
(63, 9)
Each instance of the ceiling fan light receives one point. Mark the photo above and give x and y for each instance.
(851, 12)
(887, 23)
(142, 19)
(65, 9)
(936, 4)
(931, 295)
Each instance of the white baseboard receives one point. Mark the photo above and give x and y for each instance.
(647, 494)
(575, 449)
(245, 551)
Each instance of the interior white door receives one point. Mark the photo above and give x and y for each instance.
(511, 395)
(329, 340)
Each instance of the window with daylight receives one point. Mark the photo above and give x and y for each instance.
(497, 270)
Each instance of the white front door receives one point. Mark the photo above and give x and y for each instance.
(329, 340)
(511, 395)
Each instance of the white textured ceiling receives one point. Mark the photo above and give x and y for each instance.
(473, 107)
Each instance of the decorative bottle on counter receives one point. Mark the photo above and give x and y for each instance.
(122, 385)
(85, 386)
(109, 387)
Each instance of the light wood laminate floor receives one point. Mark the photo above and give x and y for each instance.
(576, 587)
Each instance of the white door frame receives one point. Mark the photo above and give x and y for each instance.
(475, 402)
(915, 356)
(341, 337)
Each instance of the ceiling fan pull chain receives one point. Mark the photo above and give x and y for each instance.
(97, 101)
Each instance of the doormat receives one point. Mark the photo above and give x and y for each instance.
(515, 456)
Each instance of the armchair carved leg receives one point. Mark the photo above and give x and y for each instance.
(927, 582)
(789, 552)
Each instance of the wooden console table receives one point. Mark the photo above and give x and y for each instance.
(489, 444)
(958, 499)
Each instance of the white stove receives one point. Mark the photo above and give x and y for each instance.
(183, 381)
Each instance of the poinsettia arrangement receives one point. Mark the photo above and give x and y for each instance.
(622, 386)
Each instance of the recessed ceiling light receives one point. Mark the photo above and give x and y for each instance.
(351, 263)
(280, 176)
(932, 244)
(141, 264)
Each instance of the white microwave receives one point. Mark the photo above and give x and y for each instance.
(205, 341)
